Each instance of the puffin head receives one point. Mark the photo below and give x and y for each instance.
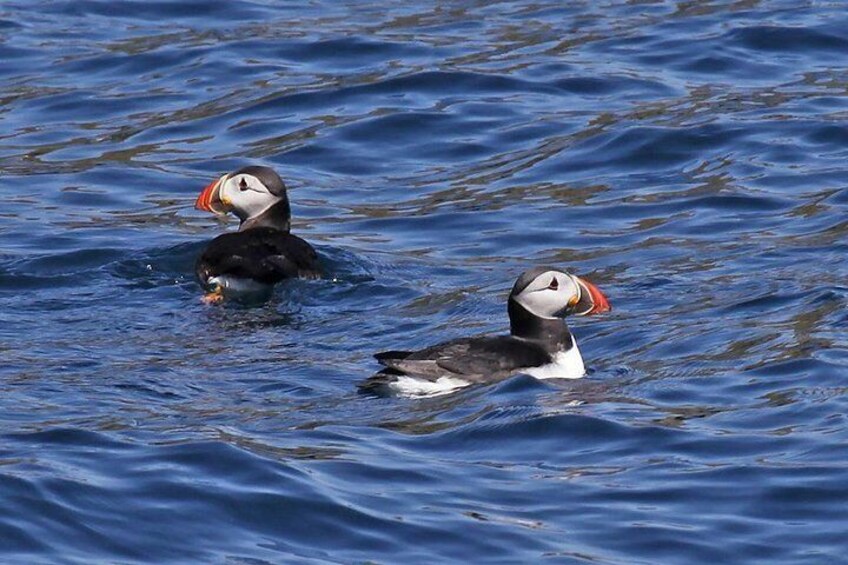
(247, 193)
(547, 292)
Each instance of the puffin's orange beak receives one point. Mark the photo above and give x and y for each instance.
(210, 199)
(592, 300)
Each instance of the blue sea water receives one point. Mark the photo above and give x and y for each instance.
(690, 158)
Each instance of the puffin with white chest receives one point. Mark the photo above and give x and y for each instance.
(262, 252)
(539, 344)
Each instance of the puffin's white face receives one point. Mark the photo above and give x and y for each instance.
(549, 294)
(240, 192)
(555, 294)
(246, 194)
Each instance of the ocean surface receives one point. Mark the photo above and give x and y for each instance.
(688, 157)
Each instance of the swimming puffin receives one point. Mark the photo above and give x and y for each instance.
(262, 252)
(539, 344)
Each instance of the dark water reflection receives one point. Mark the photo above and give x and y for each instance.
(689, 157)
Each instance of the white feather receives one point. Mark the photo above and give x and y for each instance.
(412, 386)
(250, 202)
(236, 285)
(544, 301)
(565, 365)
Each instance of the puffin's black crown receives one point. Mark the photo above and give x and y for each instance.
(266, 176)
(529, 276)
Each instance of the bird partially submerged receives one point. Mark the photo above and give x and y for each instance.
(539, 344)
(262, 252)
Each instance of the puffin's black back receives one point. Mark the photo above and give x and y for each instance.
(470, 357)
(265, 255)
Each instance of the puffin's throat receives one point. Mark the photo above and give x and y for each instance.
(551, 333)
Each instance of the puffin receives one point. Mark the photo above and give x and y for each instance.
(262, 252)
(539, 343)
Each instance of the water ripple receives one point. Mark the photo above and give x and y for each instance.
(688, 157)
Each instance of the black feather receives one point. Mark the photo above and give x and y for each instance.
(475, 359)
(389, 355)
(265, 255)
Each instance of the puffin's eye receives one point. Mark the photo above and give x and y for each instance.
(242, 185)
(554, 284)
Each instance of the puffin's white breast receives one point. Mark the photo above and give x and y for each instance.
(565, 365)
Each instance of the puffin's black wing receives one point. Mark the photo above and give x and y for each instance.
(475, 359)
(262, 254)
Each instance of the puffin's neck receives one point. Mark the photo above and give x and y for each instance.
(550, 333)
(276, 216)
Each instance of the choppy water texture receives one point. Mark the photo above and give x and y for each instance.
(687, 157)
